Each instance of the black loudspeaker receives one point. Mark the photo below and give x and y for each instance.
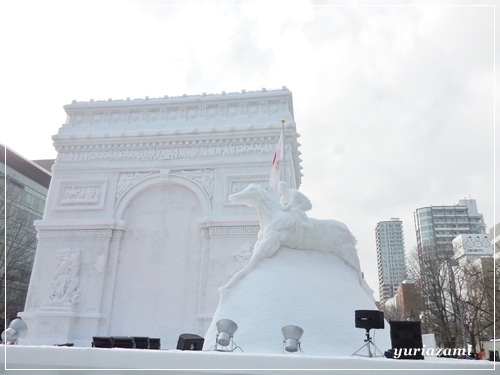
(125, 342)
(493, 356)
(369, 319)
(188, 341)
(102, 342)
(141, 342)
(154, 343)
(406, 340)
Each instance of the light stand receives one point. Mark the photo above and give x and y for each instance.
(229, 347)
(224, 338)
(368, 344)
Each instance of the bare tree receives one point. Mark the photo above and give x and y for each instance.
(19, 243)
(433, 269)
(392, 311)
(475, 288)
(458, 299)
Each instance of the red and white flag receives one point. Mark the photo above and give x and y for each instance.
(275, 168)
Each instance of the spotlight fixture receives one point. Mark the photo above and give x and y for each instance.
(224, 338)
(17, 329)
(292, 335)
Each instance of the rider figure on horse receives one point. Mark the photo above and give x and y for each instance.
(296, 202)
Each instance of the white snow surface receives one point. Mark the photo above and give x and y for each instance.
(62, 360)
(314, 290)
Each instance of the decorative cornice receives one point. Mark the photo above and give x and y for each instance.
(80, 233)
(178, 128)
(236, 230)
(222, 112)
(191, 101)
(143, 136)
(110, 233)
(159, 114)
(117, 153)
(77, 233)
(116, 234)
(79, 224)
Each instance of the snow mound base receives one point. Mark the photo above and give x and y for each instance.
(314, 290)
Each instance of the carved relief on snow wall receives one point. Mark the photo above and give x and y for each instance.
(139, 190)
(66, 283)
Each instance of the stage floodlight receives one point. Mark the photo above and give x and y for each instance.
(292, 335)
(17, 329)
(226, 329)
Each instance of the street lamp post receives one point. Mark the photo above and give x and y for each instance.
(422, 319)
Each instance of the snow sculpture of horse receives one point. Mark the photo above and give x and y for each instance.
(285, 228)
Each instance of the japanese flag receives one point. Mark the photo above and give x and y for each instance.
(275, 168)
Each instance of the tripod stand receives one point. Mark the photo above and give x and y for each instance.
(368, 344)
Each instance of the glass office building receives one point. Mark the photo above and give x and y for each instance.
(437, 226)
(24, 191)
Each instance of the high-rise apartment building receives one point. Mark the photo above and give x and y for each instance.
(437, 226)
(23, 193)
(495, 240)
(390, 257)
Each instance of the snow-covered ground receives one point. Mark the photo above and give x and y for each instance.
(61, 359)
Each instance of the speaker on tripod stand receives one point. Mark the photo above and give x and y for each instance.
(369, 319)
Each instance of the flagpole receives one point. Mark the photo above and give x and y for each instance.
(284, 159)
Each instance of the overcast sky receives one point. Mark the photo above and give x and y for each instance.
(394, 104)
